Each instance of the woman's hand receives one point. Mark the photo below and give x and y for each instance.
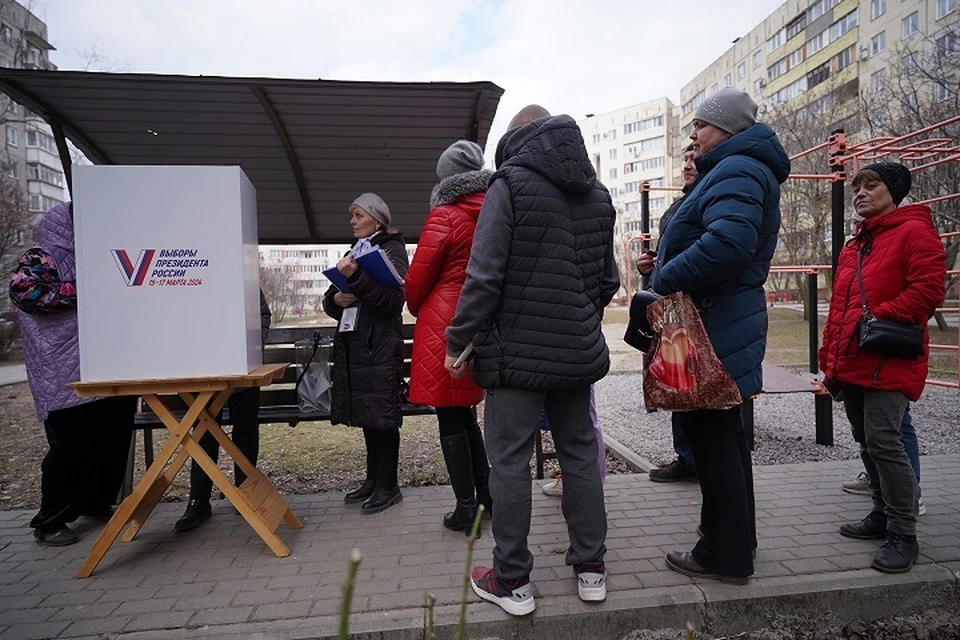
(347, 266)
(645, 263)
(344, 299)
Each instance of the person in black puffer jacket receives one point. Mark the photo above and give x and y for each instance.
(540, 273)
(368, 353)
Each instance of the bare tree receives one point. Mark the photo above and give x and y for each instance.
(920, 89)
(280, 290)
(14, 222)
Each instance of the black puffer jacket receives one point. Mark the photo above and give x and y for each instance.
(368, 362)
(542, 266)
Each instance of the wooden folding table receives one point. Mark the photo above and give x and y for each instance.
(257, 500)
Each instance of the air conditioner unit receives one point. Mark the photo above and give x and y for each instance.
(864, 53)
(762, 83)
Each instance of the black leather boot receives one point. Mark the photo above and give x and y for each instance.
(456, 454)
(873, 527)
(197, 511)
(897, 555)
(365, 490)
(382, 499)
(481, 468)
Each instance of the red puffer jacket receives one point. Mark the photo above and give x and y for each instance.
(433, 286)
(903, 280)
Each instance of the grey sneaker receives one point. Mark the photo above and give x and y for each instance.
(591, 581)
(860, 486)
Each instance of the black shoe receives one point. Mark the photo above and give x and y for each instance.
(361, 493)
(197, 511)
(676, 471)
(683, 562)
(381, 500)
(461, 518)
(897, 555)
(873, 527)
(56, 536)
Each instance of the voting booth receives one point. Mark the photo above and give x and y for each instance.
(167, 272)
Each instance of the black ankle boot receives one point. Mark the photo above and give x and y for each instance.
(361, 493)
(197, 511)
(873, 527)
(382, 499)
(456, 455)
(897, 555)
(481, 467)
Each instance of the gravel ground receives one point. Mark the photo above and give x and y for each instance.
(784, 424)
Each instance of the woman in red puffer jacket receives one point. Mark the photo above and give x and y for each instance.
(903, 267)
(433, 286)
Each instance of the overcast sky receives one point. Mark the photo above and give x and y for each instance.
(571, 56)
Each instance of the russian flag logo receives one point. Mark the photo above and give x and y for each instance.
(133, 273)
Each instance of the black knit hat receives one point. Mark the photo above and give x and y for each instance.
(895, 176)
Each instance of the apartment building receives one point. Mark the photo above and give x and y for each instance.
(29, 153)
(303, 266)
(821, 54)
(630, 146)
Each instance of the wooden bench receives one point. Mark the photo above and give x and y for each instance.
(278, 403)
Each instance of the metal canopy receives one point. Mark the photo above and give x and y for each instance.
(309, 146)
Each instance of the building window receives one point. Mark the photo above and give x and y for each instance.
(878, 43)
(943, 92)
(796, 58)
(40, 139)
(844, 59)
(877, 8)
(728, 80)
(945, 6)
(819, 9)
(6, 34)
(35, 202)
(946, 44)
(877, 80)
(778, 69)
(741, 70)
(596, 138)
(798, 25)
(776, 41)
(816, 43)
(818, 75)
(757, 59)
(910, 103)
(714, 88)
(911, 24)
(612, 174)
(13, 170)
(612, 134)
(612, 154)
(652, 143)
(13, 136)
(908, 63)
(843, 25)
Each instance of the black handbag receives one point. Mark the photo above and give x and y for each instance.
(886, 337)
(639, 333)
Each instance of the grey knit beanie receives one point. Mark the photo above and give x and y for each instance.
(729, 109)
(375, 206)
(460, 157)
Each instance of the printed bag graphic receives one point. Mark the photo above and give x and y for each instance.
(682, 371)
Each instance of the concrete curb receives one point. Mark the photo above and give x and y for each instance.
(623, 453)
(718, 609)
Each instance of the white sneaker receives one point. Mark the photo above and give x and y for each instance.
(921, 508)
(591, 581)
(555, 488)
(515, 598)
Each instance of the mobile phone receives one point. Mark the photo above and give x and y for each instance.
(463, 356)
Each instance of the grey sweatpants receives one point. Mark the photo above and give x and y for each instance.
(876, 417)
(510, 424)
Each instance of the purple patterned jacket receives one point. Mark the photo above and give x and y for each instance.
(51, 343)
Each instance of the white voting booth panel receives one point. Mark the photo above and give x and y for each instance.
(167, 272)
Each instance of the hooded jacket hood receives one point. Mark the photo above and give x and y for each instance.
(552, 147)
(758, 142)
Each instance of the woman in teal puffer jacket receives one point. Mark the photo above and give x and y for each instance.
(717, 248)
